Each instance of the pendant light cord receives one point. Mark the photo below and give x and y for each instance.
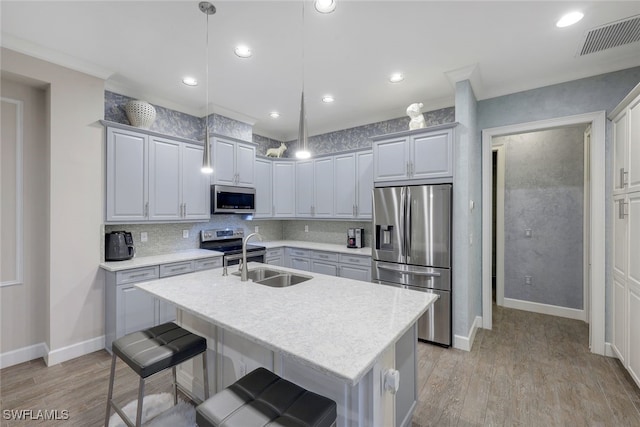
(206, 70)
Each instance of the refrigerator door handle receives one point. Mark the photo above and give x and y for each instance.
(416, 273)
(403, 227)
(407, 203)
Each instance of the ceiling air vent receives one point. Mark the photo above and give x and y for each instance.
(611, 35)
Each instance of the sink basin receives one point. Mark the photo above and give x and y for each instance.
(258, 274)
(283, 280)
(274, 278)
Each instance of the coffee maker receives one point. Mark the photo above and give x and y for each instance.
(355, 237)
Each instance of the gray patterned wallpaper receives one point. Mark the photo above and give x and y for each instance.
(544, 182)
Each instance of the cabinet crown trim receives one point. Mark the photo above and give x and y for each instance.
(114, 125)
(415, 131)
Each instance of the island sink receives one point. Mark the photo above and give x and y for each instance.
(274, 278)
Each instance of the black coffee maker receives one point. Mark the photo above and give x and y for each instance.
(118, 246)
(355, 237)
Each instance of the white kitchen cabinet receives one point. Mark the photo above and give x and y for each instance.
(626, 143)
(304, 188)
(128, 309)
(419, 154)
(626, 233)
(314, 188)
(126, 175)
(298, 263)
(353, 185)
(264, 201)
(233, 162)
(284, 189)
(324, 262)
(355, 267)
(274, 256)
(152, 178)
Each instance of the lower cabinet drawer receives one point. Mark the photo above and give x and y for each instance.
(207, 263)
(175, 268)
(274, 253)
(136, 275)
(304, 253)
(325, 256)
(355, 260)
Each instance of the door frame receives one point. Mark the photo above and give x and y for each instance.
(597, 121)
(499, 149)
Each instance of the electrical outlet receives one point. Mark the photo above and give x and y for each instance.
(528, 280)
(143, 236)
(528, 233)
(256, 229)
(185, 234)
(306, 228)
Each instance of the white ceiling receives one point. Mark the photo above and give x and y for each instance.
(145, 48)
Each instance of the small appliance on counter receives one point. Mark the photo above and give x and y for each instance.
(355, 237)
(118, 246)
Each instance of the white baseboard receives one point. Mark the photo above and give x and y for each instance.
(608, 350)
(553, 310)
(465, 343)
(75, 350)
(22, 355)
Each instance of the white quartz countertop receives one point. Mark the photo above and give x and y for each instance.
(329, 247)
(146, 261)
(335, 325)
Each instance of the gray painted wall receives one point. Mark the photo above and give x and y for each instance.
(544, 191)
(587, 95)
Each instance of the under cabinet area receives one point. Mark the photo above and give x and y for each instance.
(355, 267)
(128, 309)
(421, 154)
(153, 178)
(274, 256)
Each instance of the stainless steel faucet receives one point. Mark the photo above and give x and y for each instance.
(244, 271)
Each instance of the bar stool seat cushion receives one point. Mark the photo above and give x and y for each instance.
(155, 349)
(262, 398)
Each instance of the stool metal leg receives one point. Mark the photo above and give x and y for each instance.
(175, 386)
(110, 394)
(205, 372)
(140, 398)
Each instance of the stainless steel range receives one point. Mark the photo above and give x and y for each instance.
(229, 241)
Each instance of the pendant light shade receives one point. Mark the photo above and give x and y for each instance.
(208, 9)
(303, 150)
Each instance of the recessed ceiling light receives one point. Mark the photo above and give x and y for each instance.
(274, 114)
(569, 19)
(243, 51)
(190, 81)
(325, 6)
(396, 77)
(328, 99)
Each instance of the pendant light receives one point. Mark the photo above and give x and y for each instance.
(303, 150)
(208, 9)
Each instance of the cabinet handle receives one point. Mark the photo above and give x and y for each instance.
(408, 170)
(273, 210)
(146, 210)
(323, 256)
(353, 210)
(135, 276)
(185, 210)
(411, 168)
(622, 209)
(623, 178)
(356, 210)
(177, 268)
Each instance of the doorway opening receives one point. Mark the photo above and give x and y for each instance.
(593, 296)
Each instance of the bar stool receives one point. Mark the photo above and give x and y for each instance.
(150, 351)
(262, 398)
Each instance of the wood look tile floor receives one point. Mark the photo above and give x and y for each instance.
(530, 370)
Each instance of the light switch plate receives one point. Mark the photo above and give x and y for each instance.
(143, 236)
(306, 228)
(256, 229)
(185, 234)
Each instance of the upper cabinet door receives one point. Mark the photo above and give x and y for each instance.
(323, 187)
(126, 176)
(195, 184)
(391, 161)
(224, 168)
(620, 133)
(344, 185)
(364, 184)
(284, 189)
(264, 203)
(304, 188)
(165, 180)
(245, 164)
(633, 158)
(431, 155)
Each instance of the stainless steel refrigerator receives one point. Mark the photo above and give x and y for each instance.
(412, 249)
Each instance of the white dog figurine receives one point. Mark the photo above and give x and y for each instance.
(277, 152)
(417, 119)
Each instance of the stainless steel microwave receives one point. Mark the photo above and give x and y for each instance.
(227, 199)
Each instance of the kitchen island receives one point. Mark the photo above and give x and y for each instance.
(337, 337)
